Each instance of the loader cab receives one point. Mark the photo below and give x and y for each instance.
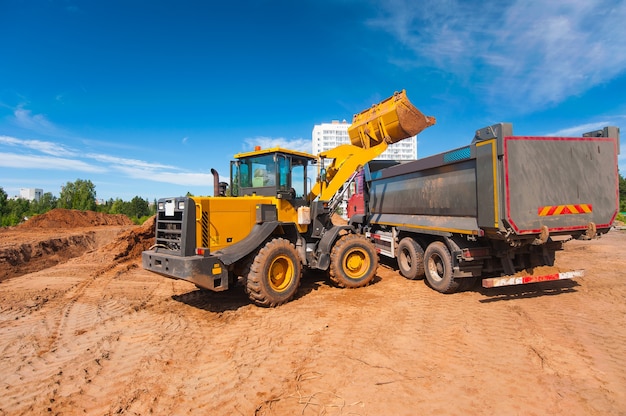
(276, 172)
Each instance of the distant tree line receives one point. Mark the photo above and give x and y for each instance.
(80, 194)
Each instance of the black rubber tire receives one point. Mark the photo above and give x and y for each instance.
(353, 261)
(275, 273)
(410, 259)
(438, 268)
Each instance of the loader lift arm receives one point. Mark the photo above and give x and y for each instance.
(372, 130)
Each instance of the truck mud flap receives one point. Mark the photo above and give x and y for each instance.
(522, 280)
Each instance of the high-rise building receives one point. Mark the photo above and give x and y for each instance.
(329, 135)
(31, 194)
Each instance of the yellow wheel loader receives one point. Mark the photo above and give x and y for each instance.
(272, 225)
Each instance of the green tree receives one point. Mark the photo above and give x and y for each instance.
(120, 207)
(45, 204)
(106, 207)
(7, 218)
(80, 194)
(3, 202)
(15, 211)
(139, 207)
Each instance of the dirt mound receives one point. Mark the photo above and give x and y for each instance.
(129, 244)
(73, 218)
(31, 257)
(30, 248)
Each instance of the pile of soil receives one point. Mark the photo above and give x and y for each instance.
(32, 256)
(73, 218)
(129, 244)
(338, 220)
(62, 234)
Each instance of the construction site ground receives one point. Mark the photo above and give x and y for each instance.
(85, 330)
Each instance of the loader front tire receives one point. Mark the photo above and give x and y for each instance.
(275, 273)
(353, 261)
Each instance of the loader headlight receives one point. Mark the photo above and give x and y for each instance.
(181, 205)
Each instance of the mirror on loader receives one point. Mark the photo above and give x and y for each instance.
(276, 172)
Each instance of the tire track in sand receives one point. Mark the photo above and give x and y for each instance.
(70, 331)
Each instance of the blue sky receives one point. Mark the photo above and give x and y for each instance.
(145, 97)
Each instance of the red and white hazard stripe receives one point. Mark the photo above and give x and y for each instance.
(522, 280)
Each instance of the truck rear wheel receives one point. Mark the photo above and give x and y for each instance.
(410, 259)
(438, 268)
(353, 261)
(274, 275)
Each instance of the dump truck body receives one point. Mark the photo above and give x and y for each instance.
(500, 205)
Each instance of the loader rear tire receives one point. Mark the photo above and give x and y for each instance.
(410, 259)
(275, 273)
(438, 268)
(353, 261)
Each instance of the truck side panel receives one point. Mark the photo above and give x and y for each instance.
(443, 190)
(560, 183)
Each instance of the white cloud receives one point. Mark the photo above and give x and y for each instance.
(38, 123)
(176, 178)
(19, 161)
(135, 163)
(528, 54)
(576, 131)
(47, 155)
(301, 145)
(50, 148)
(156, 172)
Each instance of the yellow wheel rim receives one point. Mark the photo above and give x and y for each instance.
(281, 273)
(356, 264)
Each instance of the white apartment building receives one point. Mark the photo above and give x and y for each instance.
(31, 194)
(328, 135)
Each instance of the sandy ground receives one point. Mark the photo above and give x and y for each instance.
(96, 334)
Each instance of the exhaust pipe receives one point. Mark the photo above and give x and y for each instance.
(216, 182)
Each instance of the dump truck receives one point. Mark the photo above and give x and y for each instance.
(495, 211)
(271, 226)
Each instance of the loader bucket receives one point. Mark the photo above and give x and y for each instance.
(391, 120)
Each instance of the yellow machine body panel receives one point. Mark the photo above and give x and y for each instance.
(224, 221)
(390, 121)
(288, 213)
